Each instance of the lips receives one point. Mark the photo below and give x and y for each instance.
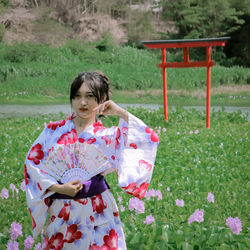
(83, 109)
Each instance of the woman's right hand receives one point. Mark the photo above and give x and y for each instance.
(70, 188)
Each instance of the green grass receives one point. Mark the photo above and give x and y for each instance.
(213, 160)
(44, 73)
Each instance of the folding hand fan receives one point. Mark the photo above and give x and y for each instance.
(75, 161)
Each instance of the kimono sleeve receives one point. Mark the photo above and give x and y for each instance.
(136, 147)
(37, 183)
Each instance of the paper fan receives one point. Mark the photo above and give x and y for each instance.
(75, 161)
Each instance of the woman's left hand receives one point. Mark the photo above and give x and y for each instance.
(111, 108)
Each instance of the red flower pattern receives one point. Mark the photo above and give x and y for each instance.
(106, 139)
(26, 176)
(55, 242)
(91, 140)
(33, 221)
(97, 126)
(36, 154)
(54, 125)
(98, 204)
(133, 145)
(69, 137)
(153, 136)
(118, 135)
(83, 201)
(39, 186)
(65, 212)
(145, 164)
(72, 234)
(81, 140)
(136, 191)
(111, 240)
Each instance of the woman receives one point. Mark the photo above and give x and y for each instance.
(85, 215)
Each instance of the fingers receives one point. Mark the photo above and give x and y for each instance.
(76, 182)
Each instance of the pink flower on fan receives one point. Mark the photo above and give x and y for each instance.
(149, 219)
(210, 197)
(15, 230)
(234, 224)
(12, 245)
(196, 216)
(28, 243)
(179, 203)
(5, 193)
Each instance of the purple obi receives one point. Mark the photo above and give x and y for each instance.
(95, 185)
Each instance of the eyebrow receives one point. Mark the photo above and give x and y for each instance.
(87, 93)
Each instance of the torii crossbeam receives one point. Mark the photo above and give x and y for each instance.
(185, 44)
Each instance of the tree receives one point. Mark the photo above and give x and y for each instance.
(202, 18)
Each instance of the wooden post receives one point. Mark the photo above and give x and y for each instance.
(208, 84)
(164, 82)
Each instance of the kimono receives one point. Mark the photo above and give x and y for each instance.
(92, 222)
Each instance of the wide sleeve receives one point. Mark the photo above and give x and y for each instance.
(135, 147)
(37, 183)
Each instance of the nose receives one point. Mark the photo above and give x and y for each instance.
(83, 101)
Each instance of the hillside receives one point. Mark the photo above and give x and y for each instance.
(54, 22)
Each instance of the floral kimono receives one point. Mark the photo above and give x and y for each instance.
(92, 222)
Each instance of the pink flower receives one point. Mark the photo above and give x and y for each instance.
(234, 224)
(38, 246)
(210, 197)
(168, 189)
(15, 230)
(196, 131)
(122, 208)
(149, 219)
(191, 132)
(179, 203)
(178, 133)
(5, 193)
(120, 199)
(23, 186)
(164, 130)
(12, 245)
(13, 188)
(159, 194)
(28, 243)
(196, 216)
(137, 204)
(38, 128)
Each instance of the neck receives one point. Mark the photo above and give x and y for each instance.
(83, 122)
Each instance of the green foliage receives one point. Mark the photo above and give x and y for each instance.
(2, 30)
(4, 3)
(191, 165)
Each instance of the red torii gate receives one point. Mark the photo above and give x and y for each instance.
(186, 44)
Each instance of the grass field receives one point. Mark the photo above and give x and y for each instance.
(36, 73)
(191, 162)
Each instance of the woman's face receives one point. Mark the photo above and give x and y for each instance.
(84, 103)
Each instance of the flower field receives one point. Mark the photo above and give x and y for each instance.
(197, 198)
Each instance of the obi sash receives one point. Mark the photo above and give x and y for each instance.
(94, 186)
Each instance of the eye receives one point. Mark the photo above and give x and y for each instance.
(90, 95)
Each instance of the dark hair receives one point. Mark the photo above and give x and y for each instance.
(97, 82)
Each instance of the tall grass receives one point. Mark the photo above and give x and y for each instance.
(38, 69)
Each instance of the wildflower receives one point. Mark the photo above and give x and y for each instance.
(138, 205)
(150, 193)
(38, 128)
(168, 189)
(28, 243)
(5, 193)
(196, 216)
(210, 197)
(149, 219)
(13, 188)
(122, 208)
(234, 224)
(23, 186)
(178, 133)
(38, 246)
(15, 230)
(191, 132)
(120, 199)
(158, 131)
(159, 194)
(179, 203)
(196, 131)
(164, 130)
(12, 245)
